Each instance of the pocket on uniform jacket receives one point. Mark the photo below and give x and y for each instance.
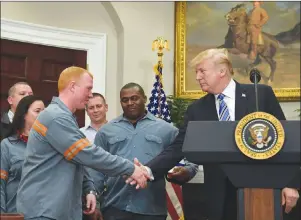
(117, 145)
(116, 139)
(154, 145)
(153, 138)
(15, 170)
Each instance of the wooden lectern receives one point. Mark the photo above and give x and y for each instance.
(11, 216)
(259, 182)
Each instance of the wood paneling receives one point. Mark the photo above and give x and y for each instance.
(38, 65)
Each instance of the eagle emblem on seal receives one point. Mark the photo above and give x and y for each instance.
(259, 136)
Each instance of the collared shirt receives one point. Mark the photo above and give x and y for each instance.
(10, 115)
(145, 141)
(54, 173)
(89, 132)
(12, 157)
(229, 99)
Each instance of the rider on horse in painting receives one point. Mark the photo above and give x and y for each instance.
(257, 17)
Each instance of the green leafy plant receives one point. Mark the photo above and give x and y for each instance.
(177, 108)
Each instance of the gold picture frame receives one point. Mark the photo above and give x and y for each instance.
(283, 94)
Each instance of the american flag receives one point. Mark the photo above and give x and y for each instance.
(158, 106)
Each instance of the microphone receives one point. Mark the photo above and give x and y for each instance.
(255, 78)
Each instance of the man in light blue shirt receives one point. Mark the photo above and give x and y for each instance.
(96, 109)
(135, 134)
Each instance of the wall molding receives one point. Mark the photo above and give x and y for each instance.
(94, 43)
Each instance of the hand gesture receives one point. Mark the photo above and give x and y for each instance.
(133, 181)
(180, 174)
(139, 177)
(289, 198)
(90, 205)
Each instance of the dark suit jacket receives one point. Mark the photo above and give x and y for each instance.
(5, 125)
(218, 187)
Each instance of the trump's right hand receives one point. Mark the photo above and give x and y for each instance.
(140, 176)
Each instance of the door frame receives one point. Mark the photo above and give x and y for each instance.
(93, 43)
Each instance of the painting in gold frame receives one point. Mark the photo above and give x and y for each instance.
(198, 24)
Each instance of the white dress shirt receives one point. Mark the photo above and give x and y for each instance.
(229, 99)
(10, 115)
(89, 132)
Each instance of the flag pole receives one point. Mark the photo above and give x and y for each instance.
(160, 44)
(158, 106)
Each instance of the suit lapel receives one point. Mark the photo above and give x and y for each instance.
(241, 102)
(241, 105)
(211, 114)
(5, 118)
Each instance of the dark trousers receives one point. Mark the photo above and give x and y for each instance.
(116, 214)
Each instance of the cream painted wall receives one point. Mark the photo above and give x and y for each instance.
(143, 22)
(289, 110)
(130, 27)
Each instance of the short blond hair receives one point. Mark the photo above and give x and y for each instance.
(12, 89)
(69, 74)
(220, 56)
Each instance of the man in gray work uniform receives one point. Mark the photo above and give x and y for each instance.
(57, 151)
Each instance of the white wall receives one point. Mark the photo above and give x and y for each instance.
(289, 110)
(129, 43)
(130, 26)
(143, 22)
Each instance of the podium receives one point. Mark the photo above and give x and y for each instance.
(259, 182)
(11, 216)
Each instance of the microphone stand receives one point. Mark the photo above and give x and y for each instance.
(255, 77)
(256, 92)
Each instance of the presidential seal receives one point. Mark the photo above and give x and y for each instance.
(259, 135)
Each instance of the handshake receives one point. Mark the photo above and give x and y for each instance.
(142, 174)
